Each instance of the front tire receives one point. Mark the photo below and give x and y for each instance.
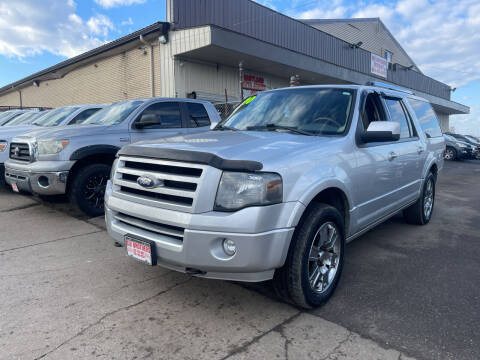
(421, 212)
(88, 188)
(315, 259)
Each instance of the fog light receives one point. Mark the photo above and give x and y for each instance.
(229, 247)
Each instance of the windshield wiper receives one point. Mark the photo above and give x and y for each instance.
(273, 127)
(224, 127)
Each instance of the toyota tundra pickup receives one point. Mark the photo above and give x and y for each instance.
(76, 160)
(277, 189)
(62, 116)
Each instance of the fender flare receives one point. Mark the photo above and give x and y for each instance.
(312, 192)
(94, 150)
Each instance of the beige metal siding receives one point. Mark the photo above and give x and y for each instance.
(118, 77)
(10, 99)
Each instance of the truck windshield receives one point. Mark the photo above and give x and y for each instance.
(24, 119)
(55, 117)
(113, 114)
(309, 111)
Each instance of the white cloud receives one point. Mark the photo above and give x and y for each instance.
(127, 22)
(100, 25)
(107, 4)
(442, 36)
(30, 27)
(467, 124)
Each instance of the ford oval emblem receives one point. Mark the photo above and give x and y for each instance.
(146, 182)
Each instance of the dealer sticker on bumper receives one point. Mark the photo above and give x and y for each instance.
(142, 250)
(15, 187)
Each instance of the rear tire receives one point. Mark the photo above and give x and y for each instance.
(450, 154)
(315, 259)
(421, 212)
(88, 188)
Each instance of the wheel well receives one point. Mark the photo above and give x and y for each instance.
(434, 171)
(106, 159)
(336, 198)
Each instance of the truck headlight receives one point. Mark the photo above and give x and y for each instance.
(239, 190)
(114, 168)
(49, 147)
(3, 145)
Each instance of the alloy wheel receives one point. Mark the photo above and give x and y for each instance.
(94, 190)
(428, 199)
(324, 256)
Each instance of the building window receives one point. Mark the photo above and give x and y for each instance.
(387, 55)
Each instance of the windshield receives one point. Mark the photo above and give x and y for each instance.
(314, 111)
(113, 114)
(56, 117)
(472, 138)
(5, 114)
(25, 118)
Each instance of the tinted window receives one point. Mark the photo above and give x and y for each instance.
(55, 117)
(163, 115)
(373, 110)
(427, 118)
(198, 115)
(25, 118)
(320, 111)
(398, 115)
(84, 115)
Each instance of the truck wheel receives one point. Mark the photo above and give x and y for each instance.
(315, 258)
(420, 213)
(450, 154)
(88, 188)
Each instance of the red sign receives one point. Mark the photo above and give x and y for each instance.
(379, 66)
(251, 82)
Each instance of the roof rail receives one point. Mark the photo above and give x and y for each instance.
(389, 86)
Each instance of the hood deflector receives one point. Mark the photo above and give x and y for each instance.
(191, 156)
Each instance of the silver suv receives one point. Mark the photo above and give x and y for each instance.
(279, 187)
(76, 160)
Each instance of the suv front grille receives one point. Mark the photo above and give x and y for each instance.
(176, 183)
(174, 232)
(20, 151)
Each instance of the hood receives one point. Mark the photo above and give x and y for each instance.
(260, 146)
(66, 132)
(8, 132)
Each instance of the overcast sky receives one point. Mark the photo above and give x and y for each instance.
(442, 37)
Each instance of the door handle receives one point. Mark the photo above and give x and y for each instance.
(392, 156)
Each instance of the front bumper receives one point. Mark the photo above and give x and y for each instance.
(43, 177)
(200, 251)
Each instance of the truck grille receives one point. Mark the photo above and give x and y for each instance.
(176, 183)
(170, 231)
(20, 151)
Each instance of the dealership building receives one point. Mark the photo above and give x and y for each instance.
(225, 50)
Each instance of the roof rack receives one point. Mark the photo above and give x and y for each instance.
(389, 86)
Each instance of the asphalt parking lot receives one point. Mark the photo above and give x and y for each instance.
(406, 291)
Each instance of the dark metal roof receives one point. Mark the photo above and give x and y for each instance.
(158, 26)
(254, 20)
(312, 22)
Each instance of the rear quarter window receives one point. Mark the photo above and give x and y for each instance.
(426, 117)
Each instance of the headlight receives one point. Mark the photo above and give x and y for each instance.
(239, 190)
(3, 145)
(49, 147)
(461, 145)
(114, 167)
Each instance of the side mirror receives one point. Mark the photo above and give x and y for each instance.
(381, 131)
(146, 120)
